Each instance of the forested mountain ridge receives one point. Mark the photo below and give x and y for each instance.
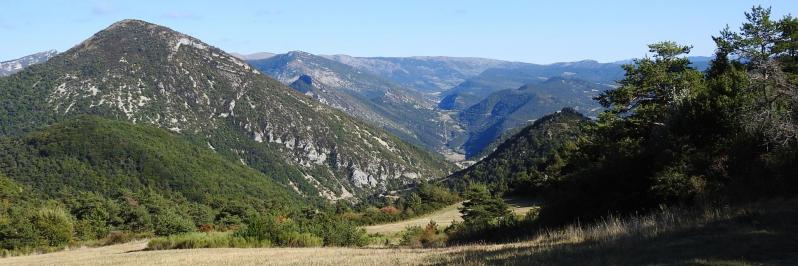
(502, 111)
(516, 75)
(145, 73)
(526, 160)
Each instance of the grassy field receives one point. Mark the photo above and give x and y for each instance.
(444, 217)
(757, 234)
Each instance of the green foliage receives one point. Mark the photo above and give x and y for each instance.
(481, 209)
(54, 226)
(670, 135)
(424, 198)
(530, 160)
(169, 223)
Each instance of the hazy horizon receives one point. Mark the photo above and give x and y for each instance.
(547, 32)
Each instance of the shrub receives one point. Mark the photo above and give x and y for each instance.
(296, 239)
(117, 237)
(205, 240)
(427, 237)
(206, 228)
(169, 223)
(54, 226)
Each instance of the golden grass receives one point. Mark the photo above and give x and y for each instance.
(443, 217)
(765, 233)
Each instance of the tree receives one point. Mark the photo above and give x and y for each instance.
(482, 209)
(651, 87)
(766, 46)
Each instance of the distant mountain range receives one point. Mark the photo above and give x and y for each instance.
(431, 101)
(427, 74)
(504, 110)
(16, 65)
(400, 110)
(492, 80)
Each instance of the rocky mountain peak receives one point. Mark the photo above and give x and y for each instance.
(145, 73)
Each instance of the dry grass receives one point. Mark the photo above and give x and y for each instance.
(765, 233)
(444, 217)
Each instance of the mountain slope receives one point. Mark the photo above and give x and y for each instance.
(91, 154)
(492, 80)
(382, 103)
(501, 111)
(520, 161)
(145, 73)
(16, 65)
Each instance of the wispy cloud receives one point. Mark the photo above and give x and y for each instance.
(102, 8)
(181, 15)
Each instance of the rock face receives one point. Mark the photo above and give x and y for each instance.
(16, 65)
(145, 73)
(400, 110)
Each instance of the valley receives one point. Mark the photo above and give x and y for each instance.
(147, 141)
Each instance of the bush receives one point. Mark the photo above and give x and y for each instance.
(54, 226)
(427, 237)
(170, 223)
(296, 239)
(205, 240)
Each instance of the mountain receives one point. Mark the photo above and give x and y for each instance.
(700, 63)
(427, 74)
(16, 65)
(107, 157)
(380, 102)
(518, 161)
(477, 88)
(148, 74)
(504, 110)
(253, 56)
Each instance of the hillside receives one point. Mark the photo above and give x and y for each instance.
(144, 73)
(505, 110)
(526, 160)
(114, 175)
(402, 111)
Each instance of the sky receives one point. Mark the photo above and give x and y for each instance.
(527, 31)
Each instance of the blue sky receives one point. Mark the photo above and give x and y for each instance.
(528, 31)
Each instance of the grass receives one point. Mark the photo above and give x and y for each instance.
(204, 240)
(756, 234)
(444, 217)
